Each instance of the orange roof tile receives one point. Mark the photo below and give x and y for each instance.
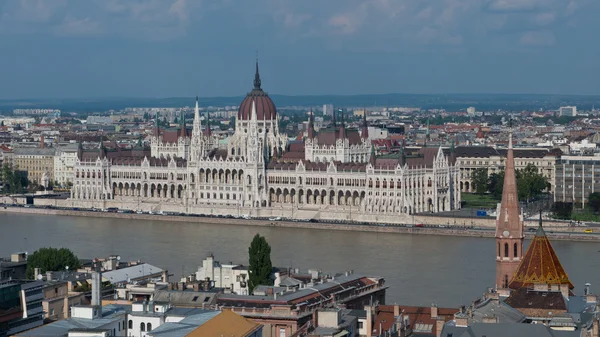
(540, 265)
(227, 323)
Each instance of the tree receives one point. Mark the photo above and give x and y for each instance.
(562, 210)
(495, 184)
(530, 183)
(594, 200)
(51, 259)
(479, 179)
(260, 266)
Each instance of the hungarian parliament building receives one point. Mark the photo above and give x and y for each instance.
(258, 171)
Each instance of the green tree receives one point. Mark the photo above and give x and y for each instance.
(495, 184)
(594, 200)
(562, 210)
(51, 259)
(260, 266)
(479, 179)
(530, 182)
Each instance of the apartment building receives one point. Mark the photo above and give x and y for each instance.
(37, 162)
(577, 177)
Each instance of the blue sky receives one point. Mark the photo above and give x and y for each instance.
(166, 48)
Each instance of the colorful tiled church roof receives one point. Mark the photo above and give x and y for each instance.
(540, 264)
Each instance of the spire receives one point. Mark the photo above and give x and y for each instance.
(342, 134)
(139, 142)
(402, 156)
(311, 125)
(156, 128)
(208, 131)
(197, 128)
(540, 231)
(365, 127)
(183, 131)
(333, 123)
(257, 77)
(373, 158)
(509, 219)
(102, 149)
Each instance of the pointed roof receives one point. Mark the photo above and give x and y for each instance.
(365, 126)
(540, 264)
(342, 134)
(257, 82)
(208, 131)
(311, 125)
(182, 131)
(508, 219)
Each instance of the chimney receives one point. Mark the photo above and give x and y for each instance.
(439, 326)
(37, 272)
(315, 318)
(564, 289)
(434, 311)
(586, 290)
(396, 310)
(490, 319)
(165, 276)
(369, 322)
(42, 141)
(97, 293)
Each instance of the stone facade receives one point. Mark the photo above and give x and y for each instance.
(253, 171)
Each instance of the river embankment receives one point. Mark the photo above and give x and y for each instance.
(554, 232)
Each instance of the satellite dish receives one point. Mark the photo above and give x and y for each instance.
(118, 257)
(40, 277)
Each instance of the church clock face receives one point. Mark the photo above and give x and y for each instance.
(506, 233)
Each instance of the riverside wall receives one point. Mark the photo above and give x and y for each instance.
(565, 233)
(323, 213)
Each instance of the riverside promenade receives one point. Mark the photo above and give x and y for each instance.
(437, 225)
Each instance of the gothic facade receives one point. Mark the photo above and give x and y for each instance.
(259, 168)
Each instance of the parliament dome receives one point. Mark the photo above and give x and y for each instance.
(265, 108)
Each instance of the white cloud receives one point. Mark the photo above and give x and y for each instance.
(537, 39)
(543, 19)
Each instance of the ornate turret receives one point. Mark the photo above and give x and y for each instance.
(373, 158)
(182, 131)
(156, 128)
(540, 265)
(311, 125)
(257, 81)
(342, 132)
(365, 127)
(102, 149)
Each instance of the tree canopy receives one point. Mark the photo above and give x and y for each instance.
(562, 210)
(260, 266)
(13, 181)
(479, 179)
(530, 183)
(594, 200)
(51, 259)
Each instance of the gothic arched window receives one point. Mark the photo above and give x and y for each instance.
(506, 250)
(515, 250)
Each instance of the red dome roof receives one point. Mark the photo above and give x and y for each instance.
(265, 108)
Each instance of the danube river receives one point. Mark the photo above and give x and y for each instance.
(419, 269)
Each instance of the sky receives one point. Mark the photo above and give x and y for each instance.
(184, 48)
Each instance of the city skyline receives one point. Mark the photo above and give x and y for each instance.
(69, 49)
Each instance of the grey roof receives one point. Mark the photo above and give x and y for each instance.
(185, 298)
(506, 329)
(494, 308)
(34, 151)
(185, 326)
(134, 272)
(110, 314)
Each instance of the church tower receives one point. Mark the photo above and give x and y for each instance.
(509, 226)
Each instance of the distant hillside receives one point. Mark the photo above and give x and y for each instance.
(451, 102)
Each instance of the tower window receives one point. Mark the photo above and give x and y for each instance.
(506, 250)
(515, 250)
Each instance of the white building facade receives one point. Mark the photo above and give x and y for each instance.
(64, 163)
(254, 173)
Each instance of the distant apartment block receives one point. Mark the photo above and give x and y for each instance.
(576, 178)
(35, 111)
(327, 109)
(570, 111)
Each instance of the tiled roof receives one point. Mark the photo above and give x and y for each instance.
(227, 323)
(540, 265)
